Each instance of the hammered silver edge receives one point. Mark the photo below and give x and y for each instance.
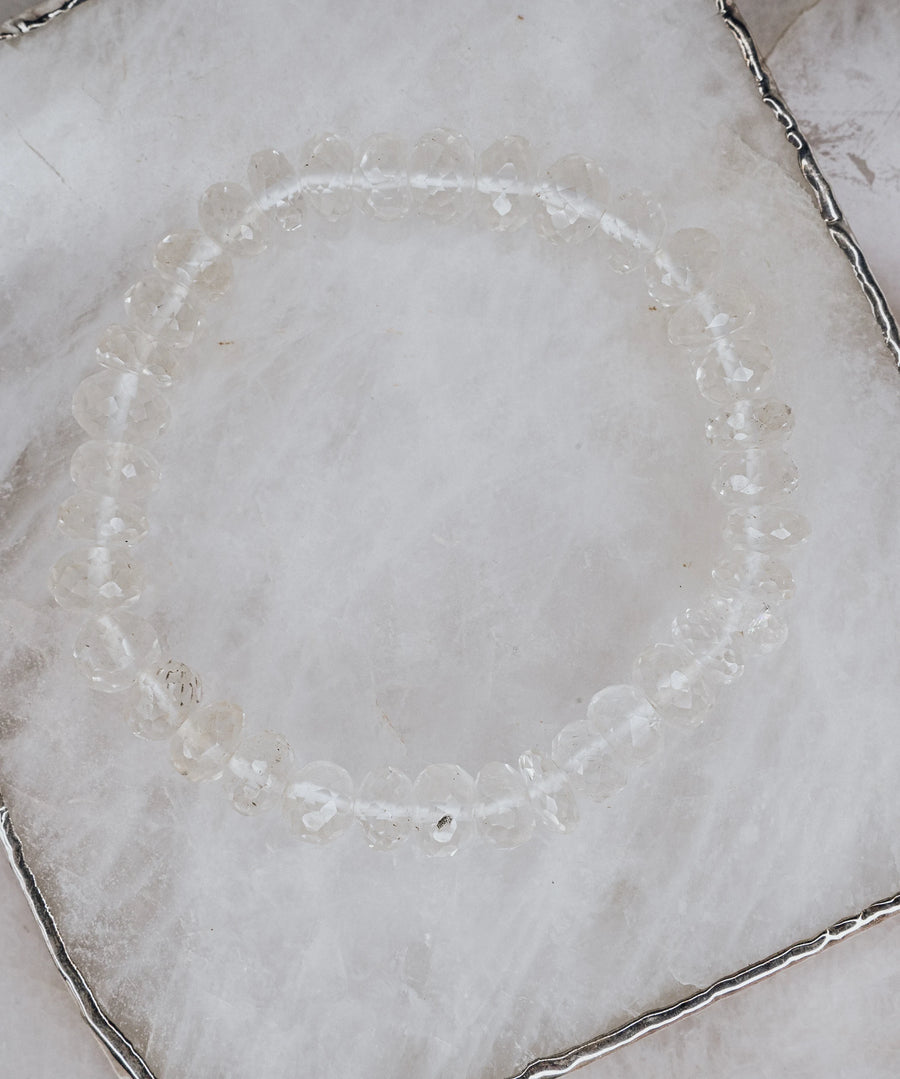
(35, 17)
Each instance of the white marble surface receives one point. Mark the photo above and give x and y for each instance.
(690, 882)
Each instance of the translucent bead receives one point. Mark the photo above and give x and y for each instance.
(97, 578)
(229, 215)
(628, 721)
(765, 632)
(383, 808)
(161, 698)
(588, 759)
(442, 175)
(196, 262)
(750, 423)
(734, 368)
(709, 316)
(318, 802)
(101, 519)
(444, 795)
(120, 406)
(705, 635)
(765, 528)
(685, 265)
(126, 348)
(755, 574)
(630, 230)
(673, 682)
(755, 476)
(327, 176)
(504, 190)
(258, 772)
(164, 310)
(551, 793)
(503, 812)
(202, 746)
(383, 182)
(115, 468)
(571, 199)
(276, 188)
(111, 649)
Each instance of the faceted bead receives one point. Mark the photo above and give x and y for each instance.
(708, 316)
(202, 746)
(259, 770)
(160, 700)
(503, 812)
(442, 175)
(443, 796)
(673, 682)
(630, 230)
(684, 266)
(164, 310)
(318, 802)
(327, 176)
(196, 262)
(383, 808)
(571, 199)
(765, 528)
(229, 215)
(120, 405)
(115, 468)
(588, 759)
(504, 190)
(125, 348)
(755, 476)
(628, 721)
(704, 633)
(102, 519)
(551, 793)
(111, 649)
(383, 182)
(276, 188)
(754, 574)
(765, 632)
(750, 423)
(98, 578)
(733, 368)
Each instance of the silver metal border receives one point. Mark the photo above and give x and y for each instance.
(35, 17)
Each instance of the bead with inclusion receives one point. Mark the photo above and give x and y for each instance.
(503, 813)
(588, 759)
(326, 176)
(202, 746)
(749, 423)
(628, 721)
(504, 189)
(164, 310)
(571, 199)
(551, 793)
(258, 771)
(630, 230)
(705, 634)
(111, 649)
(318, 802)
(672, 680)
(765, 528)
(276, 188)
(95, 578)
(160, 700)
(229, 215)
(734, 367)
(442, 175)
(195, 261)
(755, 574)
(382, 190)
(383, 808)
(709, 316)
(115, 468)
(765, 632)
(755, 476)
(102, 520)
(443, 800)
(120, 406)
(685, 264)
(126, 348)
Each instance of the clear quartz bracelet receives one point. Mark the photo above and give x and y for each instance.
(124, 405)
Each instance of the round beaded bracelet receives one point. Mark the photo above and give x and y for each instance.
(124, 406)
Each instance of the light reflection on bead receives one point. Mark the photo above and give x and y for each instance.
(732, 368)
(101, 519)
(587, 758)
(126, 348)
(115, 468)
(258, 771)
(704, 633)
(164, 310)
(111, 649)
(686, 264)
(120, 406)
(229, 215)
(504, 194)
(326, 176)
(196, 262)
(571, 199)
(383, 808)
(627, 720)
(276, 188)
(672, 680)
(442, 175)
(750, 423)
(159, 701)
(318, 802)
(710, 316)
(630, 230)
(755, 476)
(756, 574)
(202, 746)
(765, 632)
(97, 578)
(551, 793)
(443, 796)
(381, 168)
(765, 528)
(503, 812)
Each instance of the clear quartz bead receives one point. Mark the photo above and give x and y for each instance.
(685, 265)
(444, 796)
(705, 634)
(95, 578)
(630, 230)
(442, 175)
(709, 316)
(111, 649)
(582, 752)
(126, 348)
(551, 793)
(196, 262)
(202, 746)
(160, 700)
(765, 632)
(115, 468)
(767, 528)
(164, 310)
(628, 721)
(121, 406)
(672, 680)
(734, 367)
(571, 199)
(755, 476)
(383, 808)
(229, 215)
(258, 772)
(504, 189)
(755, 574)
(318, 802)
(383, 182)
(503, 813)
(102, 520)
(327, 176)
(276, 188)
(750, 423)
